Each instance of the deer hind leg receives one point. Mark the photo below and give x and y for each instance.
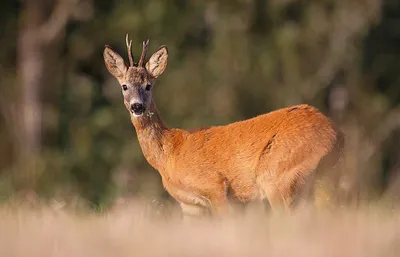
(286, 192)
(280, 199)
(303, 190)
(220, 205)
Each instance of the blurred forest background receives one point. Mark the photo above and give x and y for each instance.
(65, 133)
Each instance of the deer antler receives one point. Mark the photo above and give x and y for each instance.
(129, 47)
(144, 50)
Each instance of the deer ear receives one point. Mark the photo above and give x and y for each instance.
(157, 62)
(115, 63)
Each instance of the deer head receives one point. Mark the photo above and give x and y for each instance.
(136, 81)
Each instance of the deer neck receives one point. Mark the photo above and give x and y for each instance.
(152, 135)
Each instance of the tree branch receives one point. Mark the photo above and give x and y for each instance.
(348, 26)
(57, 20)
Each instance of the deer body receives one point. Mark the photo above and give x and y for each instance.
(270, 156)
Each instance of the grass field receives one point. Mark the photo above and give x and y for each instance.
(128, 231)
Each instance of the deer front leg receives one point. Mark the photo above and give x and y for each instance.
(195, 204)
(193, 212)
(217, 207)
(192, 204)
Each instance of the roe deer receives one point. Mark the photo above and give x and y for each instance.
(269, 157)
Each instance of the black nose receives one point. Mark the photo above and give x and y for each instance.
(138, 108)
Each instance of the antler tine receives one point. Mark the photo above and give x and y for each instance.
(129, 47)
(144, 51)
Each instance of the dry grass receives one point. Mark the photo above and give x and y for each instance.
(126, 231)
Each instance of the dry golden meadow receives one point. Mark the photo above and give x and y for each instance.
(130, 230)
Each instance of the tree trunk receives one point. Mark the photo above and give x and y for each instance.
(38, 29)
(30, 63)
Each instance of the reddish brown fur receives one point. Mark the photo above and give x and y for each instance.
(267, 157)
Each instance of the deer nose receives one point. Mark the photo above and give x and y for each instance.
(138, 108)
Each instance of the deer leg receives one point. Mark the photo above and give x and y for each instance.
(270, 191)
(193, 207)
(220, 207)
(303, 191)
(219, 202)
(275, 200)
(287, 190)
(192, 204)
(280, 195)
(192, 211)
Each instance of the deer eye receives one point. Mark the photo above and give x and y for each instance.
(148, 87)
(124, 87)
